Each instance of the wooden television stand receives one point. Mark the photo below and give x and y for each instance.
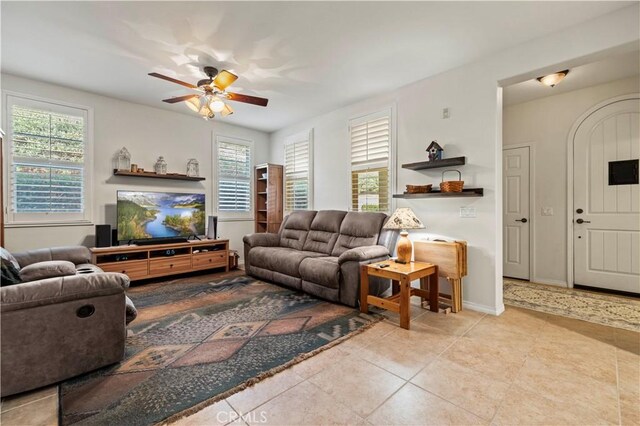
(141, 262)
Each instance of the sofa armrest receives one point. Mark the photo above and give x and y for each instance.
(262, 240)
(61, 289)
(361, 254)
(73, 254)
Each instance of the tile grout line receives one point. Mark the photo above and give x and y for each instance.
(513, 382)
(408, 381)
(306, 379)
(618, 382)
(28, 403)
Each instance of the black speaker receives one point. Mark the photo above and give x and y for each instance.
(114, 237)
(103, 235)
(212, 229)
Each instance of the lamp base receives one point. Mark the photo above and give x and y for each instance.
(404, 248)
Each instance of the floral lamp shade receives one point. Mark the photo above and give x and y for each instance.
(404, 218)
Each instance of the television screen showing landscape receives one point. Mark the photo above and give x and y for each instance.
(143, 215)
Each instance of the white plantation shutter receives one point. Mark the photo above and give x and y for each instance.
(48, 161)
(234, 176)
(370, 162)
(297, 175)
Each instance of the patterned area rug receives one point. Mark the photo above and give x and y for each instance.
(194, 343)
(614, 311)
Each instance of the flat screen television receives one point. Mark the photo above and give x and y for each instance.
(145, 215)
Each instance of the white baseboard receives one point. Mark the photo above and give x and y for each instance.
(483, 308)
(558, 283)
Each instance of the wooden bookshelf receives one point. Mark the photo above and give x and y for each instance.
(268, 206)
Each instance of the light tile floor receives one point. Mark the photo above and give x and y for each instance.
(522, 367)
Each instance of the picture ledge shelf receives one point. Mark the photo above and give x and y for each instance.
(172, 176)
(466, 192)
(445, 162)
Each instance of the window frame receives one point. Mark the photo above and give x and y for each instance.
(301, 137)
(390, 112)
(15, 219)
(233, 215)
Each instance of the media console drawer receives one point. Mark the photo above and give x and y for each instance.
(210, 259)
(169, 264)
(134, 269)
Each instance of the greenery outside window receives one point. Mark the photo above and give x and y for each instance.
(370, 162)
(49, 162)
(298, 172)
(234, 170)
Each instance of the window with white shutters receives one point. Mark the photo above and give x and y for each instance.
(298, 173)
(48, 162)
(234, 176)
(370, 162)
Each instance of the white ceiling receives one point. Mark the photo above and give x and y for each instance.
(306, 57)
(610, 69)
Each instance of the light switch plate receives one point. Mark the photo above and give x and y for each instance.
(446, 113)
(547, 211)
(467, 212)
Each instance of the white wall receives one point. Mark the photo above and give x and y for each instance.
(474, 130)
(544, 124)
(147, 133)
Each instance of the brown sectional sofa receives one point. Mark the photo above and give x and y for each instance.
(320, 252)
(56, 328)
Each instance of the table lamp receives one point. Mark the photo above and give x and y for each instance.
(404, 218)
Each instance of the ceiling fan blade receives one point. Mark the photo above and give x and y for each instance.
(173, 80)
(254, 100)
(227, 110)
(224, 79)
(179, 99)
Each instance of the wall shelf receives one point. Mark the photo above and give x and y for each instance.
(446, 162)
(466, 192)
(172, 176)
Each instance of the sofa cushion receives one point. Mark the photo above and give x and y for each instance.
(43, 270)
(280, 259)
(324, 230)
(295, 228)
(358, 229)
(324, 271)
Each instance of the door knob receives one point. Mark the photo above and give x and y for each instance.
(579, 211)
(523, 220)
(582, 221)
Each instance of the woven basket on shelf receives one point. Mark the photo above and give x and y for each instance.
(452, 185)
(418, 189)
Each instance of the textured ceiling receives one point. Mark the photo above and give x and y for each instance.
(306, 57)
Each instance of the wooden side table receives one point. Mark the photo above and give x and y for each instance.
(401, 276)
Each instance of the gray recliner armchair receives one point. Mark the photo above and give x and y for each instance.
(56, 328)
(320, 253)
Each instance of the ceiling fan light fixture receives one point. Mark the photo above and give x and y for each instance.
(193, 104)
(216, 105)
(227, 110)
(552, 79)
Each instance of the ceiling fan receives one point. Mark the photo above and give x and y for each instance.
(212, 93)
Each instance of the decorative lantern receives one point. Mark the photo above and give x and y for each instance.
(124, 160)
(161, 166)
(193, 168)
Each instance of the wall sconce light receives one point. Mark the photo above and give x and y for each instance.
(553, 79)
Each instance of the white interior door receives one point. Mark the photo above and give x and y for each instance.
(606, 221)
(516, 220)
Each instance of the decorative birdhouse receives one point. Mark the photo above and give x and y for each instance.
(435, 151)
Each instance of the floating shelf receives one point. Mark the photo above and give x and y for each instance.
(447, 162)
(466, 192)
(172, 176)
